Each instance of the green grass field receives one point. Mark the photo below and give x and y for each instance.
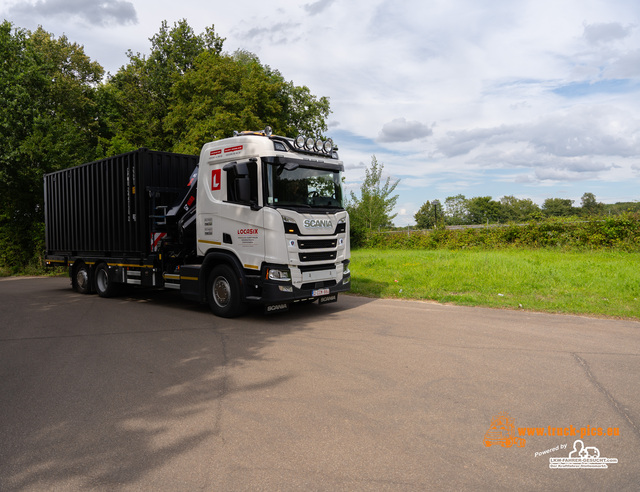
(602, 283)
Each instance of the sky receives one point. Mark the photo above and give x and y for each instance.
(531, 98)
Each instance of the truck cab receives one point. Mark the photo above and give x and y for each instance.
(270, 208)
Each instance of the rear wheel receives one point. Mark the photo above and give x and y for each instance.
(105, 286)
(224, 293)
(81, 280)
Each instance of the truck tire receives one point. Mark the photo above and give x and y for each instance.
(224, 293)
(104, 282)
(82, 280)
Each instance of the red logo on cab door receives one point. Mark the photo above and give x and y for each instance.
(216, 176)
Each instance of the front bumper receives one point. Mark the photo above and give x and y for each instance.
(274, 292)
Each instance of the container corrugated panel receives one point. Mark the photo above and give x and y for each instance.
(104, 207)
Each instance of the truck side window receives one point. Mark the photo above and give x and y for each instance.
(242, 182)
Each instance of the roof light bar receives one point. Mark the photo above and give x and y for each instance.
(314, 145)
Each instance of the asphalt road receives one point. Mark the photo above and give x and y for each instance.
(149, 392)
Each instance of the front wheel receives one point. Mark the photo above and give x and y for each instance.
(104, 282)
(224, 293)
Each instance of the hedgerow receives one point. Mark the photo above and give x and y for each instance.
(617, 232)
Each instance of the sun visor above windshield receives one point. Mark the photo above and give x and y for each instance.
(312, 163)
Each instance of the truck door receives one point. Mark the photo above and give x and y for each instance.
(241, 217)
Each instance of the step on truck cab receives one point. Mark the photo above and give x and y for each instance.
(261, 220)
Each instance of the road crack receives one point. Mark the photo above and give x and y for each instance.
(619, 409)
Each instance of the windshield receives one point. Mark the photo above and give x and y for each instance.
(292, 185)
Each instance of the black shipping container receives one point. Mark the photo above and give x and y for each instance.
(104, 208)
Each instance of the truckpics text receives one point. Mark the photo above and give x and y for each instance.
(258, 218)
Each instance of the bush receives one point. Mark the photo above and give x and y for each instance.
(618, 232)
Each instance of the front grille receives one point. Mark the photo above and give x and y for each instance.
(316, 243)
(321, 256)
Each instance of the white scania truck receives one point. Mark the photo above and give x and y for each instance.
(261, 220)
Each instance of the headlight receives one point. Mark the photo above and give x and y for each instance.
(328, 146)
(280, 274)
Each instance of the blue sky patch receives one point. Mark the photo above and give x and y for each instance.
(609, 86)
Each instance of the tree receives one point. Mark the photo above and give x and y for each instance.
(558, 207)
(302, 112)
(137, 99)
(48, 117)
(483, 209)
(519, 209)
(223, 93)
(429, 215)
(372, 209)
(456, 212)
(590, 205)
(621, 207)
(187, 91)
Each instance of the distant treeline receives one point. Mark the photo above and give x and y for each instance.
(459, 210)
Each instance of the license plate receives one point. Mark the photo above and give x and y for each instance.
(320, 292)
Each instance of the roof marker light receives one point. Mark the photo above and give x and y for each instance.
(309, 143)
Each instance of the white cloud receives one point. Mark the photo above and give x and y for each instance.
(579, 133)
(605, 32)
(318, 7)
(401, 130)
(98, 13)
(626, 65)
